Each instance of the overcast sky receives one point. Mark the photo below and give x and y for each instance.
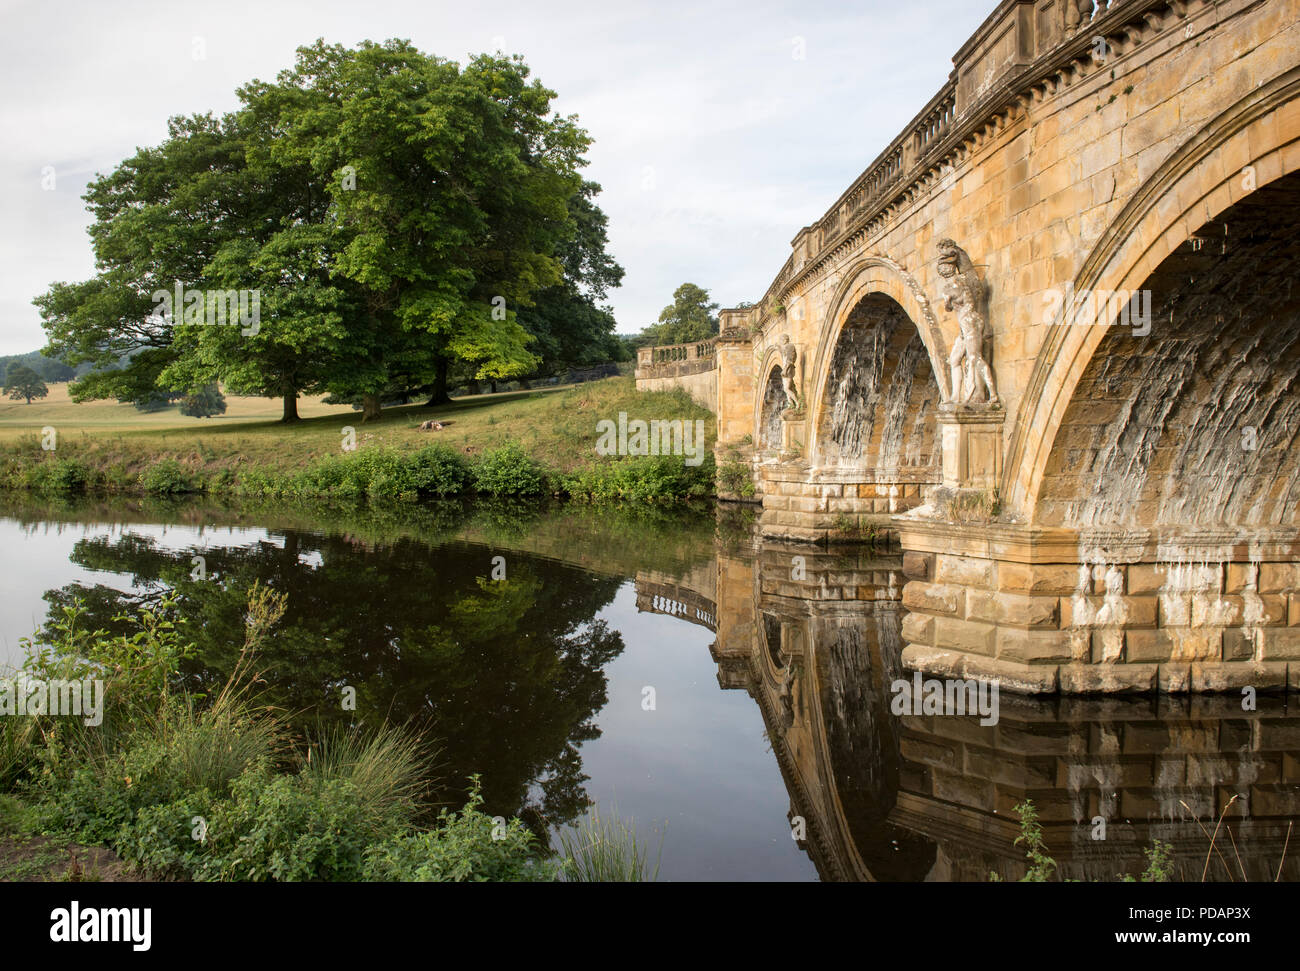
(714, 140)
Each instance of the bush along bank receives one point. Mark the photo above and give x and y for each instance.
(185, 786)
(376, 473)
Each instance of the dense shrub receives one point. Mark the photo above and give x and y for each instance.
(663, 478)
(204, 403)
(167, 477)
(464, 846)
(439, 470)
(293, 827)
(171, 839)
(509, 471)
(374, 473)
(59, 475)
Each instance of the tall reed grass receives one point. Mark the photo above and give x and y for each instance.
(606, 849)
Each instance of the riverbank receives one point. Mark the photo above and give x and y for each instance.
(528, 444)
(218, 785)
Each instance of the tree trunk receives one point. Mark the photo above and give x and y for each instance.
(370, 407)
(439, 395)
(290, 407)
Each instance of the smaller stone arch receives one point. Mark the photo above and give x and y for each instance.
(861, 279)
(771, 408)
(881, 396)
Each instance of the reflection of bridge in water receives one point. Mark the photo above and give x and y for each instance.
(815, 638)
(658, 595)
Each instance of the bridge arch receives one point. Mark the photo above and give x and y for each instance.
(770, 403)
(1245, 150)
(880, 286)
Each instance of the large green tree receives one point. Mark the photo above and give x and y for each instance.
(207, 212)
(692, 316)
(154, 224)
(300, 341)
(450, 189)
(570, 322)
(392, 211)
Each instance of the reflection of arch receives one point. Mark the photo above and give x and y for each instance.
(772, 641)
(1198, 183)
(837, 748)
(771, 407)
(818, 668)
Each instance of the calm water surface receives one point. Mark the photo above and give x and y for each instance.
(667, 667)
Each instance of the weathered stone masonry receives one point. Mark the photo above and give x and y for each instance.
(1099, 503)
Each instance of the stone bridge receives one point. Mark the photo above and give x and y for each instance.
(1050, 338)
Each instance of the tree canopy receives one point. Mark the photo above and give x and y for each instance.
(363, 223)
(690, 317)
(22, 382)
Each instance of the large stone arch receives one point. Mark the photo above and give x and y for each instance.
(1188, 418)
(867, 277)
(1248, 146)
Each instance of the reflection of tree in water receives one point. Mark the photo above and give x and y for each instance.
(507, 675)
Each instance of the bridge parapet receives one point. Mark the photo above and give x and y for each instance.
(671, 360)
(1024, 53)
(690, 366)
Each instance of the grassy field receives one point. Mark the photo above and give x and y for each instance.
(109, 417)
(555, 426)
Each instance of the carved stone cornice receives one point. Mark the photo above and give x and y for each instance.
(901, 172)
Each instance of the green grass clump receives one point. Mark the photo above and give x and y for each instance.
(17, 749)
(607, 850)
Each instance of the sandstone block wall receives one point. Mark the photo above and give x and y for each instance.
(1081, 629)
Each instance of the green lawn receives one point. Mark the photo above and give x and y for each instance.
(556, 426)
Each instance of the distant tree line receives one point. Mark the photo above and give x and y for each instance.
(47, 369)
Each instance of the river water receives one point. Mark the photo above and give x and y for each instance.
(666, 667)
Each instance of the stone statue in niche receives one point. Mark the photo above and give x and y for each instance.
(789, 374)
(963, 294)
